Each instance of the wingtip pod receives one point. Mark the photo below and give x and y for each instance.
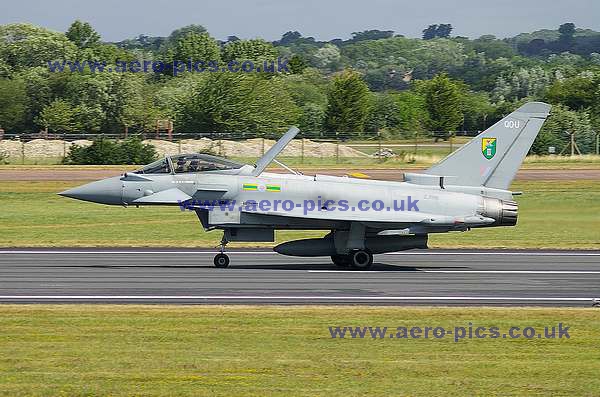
(540, 108)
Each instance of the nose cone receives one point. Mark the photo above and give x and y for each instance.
(106, 191)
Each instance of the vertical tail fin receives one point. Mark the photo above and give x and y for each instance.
(493, 157)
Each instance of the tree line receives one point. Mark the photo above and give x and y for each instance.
(376, 82)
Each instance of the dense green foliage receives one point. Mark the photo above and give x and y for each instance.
(373, 82)
(256, 51)
(443, 103)
(234, 102)
(348, 103)
(105, 151)
(196, 46)
(82, 35)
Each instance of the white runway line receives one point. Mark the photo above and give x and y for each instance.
(295, 298)
(138, 252)
(423, 270)
(454, 253)
(514, 271)
(499, 253)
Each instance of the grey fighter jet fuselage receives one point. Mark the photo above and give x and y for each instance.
(468, 189)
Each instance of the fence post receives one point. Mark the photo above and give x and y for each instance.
(597, 143)
(416, 141)
(1, 134)
(451, 148)
(379, 144)
(337, 148)
(302, 150)
(572, 144)
(22, 153)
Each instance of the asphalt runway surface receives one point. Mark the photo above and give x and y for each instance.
(381, 174)
(429, 277)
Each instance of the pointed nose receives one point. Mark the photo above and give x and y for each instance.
(106, 191)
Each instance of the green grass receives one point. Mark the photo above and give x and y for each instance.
(408, 141)
(407, 158)
(34, 216)
(87, 350)
(557, 214)
(62, 167)
(34, 160)
(425, 157)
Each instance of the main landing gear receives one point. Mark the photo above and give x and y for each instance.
(356, 259)
(221, 259)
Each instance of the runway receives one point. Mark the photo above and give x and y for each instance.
(559, 278)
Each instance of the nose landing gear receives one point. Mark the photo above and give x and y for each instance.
(221, 259)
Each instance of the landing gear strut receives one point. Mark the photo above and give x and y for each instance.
(356, 259)
(221, 259)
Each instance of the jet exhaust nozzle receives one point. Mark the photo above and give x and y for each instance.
(504, 212)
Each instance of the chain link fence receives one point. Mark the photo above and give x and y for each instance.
(318, 148)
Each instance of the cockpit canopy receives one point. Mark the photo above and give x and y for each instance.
(189, 163)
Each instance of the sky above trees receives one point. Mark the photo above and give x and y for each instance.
(117, 20)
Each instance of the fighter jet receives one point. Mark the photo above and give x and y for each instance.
(467, 190)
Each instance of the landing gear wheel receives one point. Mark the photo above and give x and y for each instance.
(360, 259)
(221, 260)
(340, 260)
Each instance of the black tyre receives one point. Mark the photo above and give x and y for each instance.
(360, 259)
(221, 261)
(341, 260)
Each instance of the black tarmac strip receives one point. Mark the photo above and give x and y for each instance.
(258, 277)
